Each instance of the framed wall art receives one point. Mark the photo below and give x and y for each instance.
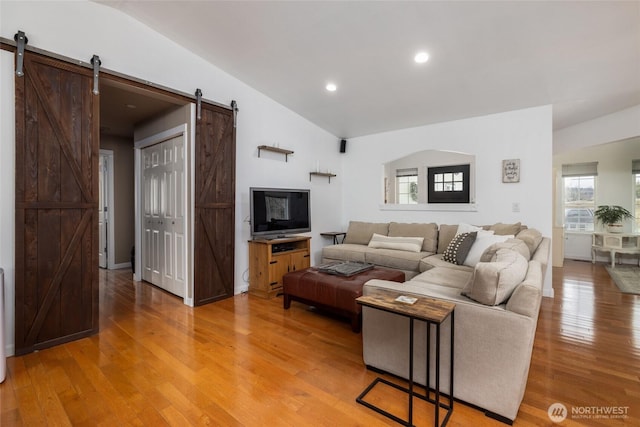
(511, 170)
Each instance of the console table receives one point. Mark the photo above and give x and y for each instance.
(615, 243)
(433, 312)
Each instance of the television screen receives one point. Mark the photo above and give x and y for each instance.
(277, 212)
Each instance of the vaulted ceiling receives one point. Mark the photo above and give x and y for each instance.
(485, 57)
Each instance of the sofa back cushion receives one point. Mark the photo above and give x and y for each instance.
(492, 283)
(445, 236)
(501, 229)
(360, 233)
(428, 231)
(531, 237)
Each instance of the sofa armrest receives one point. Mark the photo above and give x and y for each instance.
(542, 254)
(526, 297)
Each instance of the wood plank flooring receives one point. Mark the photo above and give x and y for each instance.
(245, 361)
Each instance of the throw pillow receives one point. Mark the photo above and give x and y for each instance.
(467, 228)
(513, 244)
(427, 230)
(409, 244)
(480, 245)
(492, 283)
(459, 247)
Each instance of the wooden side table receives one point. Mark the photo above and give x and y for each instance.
(335, 235)
(433, 312)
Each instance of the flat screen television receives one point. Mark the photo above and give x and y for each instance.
(276, 212)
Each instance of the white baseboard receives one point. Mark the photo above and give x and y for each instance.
(120, 266)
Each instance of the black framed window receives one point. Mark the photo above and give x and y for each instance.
(448, 184)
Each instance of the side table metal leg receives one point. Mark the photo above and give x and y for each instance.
(410, 421)
(428, 360)
(451, 363)
(437, 390)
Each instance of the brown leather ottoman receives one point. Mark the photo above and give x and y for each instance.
(332, 292)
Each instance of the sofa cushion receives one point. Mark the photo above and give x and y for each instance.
(360, 233)
(506, 229)
(408, 244)
(513, 244)
(445, 235)
(344, 252)
(492, 283)
(531, 237)
(428, 231)
(459, 247)
(400, 260)
(481, 244)
(436, 261)
(445, 277)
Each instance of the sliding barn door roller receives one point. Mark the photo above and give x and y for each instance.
(21, 41)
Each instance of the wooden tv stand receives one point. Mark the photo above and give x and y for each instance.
(270, 259)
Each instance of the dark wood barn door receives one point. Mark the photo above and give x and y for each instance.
(57, 146)
(214, 205)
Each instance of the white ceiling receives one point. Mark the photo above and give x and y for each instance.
(485, 56)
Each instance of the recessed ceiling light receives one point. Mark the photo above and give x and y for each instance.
(331, 87)
(421, 57)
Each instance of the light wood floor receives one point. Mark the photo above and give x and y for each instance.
(246, 361)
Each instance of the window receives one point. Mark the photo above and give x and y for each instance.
(636, 193)
(579, 196)
(636, 205)
(407, 186)
(448, 184)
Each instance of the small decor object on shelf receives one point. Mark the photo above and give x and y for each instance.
(612, 216)
(511, 170)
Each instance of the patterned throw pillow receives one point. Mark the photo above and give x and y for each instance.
(459, 247)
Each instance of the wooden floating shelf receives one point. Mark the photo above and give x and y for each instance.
(324, 174)
(275, 150)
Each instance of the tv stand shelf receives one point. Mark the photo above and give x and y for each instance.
(270, 259)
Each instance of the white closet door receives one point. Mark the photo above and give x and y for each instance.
(164, 262)
(173, 216)
(152, 247)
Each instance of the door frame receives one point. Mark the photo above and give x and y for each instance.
(111, 235)
(180, 130)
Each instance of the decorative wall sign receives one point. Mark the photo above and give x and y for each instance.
(511, 170)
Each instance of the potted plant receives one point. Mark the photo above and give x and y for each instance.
(612, 216)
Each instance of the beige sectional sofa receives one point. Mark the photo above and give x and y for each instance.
(497, 297)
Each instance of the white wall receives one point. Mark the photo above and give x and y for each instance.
(7, 193)
(612, 127)
(81, 29)
(523, 134)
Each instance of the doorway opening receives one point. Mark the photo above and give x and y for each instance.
(126, 112)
